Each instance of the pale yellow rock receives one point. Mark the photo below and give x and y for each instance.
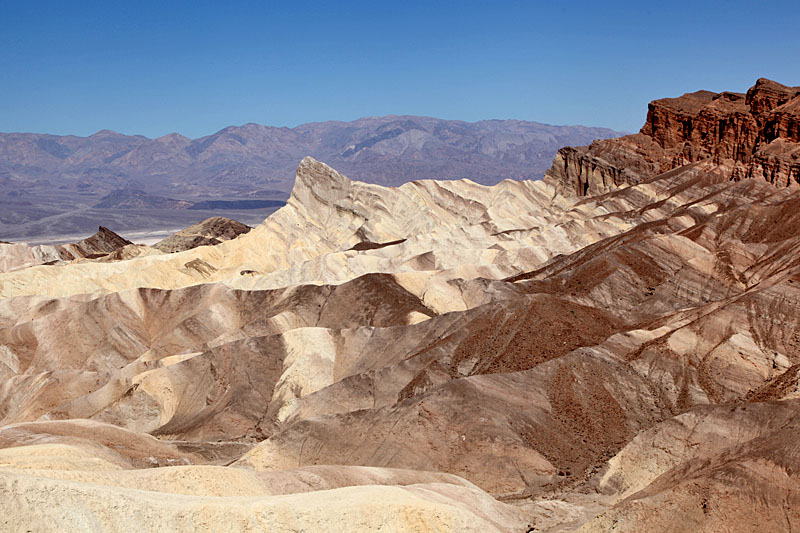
(447, 225)
(47, 504)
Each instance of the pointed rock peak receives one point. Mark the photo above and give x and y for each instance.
(766, 95)
(106, 234)
(316, 181)
(318, 175)
(104, 241)
(765, 83)
(309, 161)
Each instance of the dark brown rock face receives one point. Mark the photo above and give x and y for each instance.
(101, 243)
(755, 135)
(208, 232)
(104, 240)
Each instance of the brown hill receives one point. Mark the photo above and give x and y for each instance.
(210, 231)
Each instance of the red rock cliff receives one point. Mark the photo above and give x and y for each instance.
(756, 135)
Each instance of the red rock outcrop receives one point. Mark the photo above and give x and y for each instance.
(756, 134)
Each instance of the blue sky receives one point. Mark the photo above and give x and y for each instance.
(195, 67)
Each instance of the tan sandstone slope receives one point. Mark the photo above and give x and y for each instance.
(616, 347)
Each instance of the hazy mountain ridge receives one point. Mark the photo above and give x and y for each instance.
(387, 150)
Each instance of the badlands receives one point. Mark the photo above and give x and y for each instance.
(613, 348)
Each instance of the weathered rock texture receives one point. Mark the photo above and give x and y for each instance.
(755, 134)
(210, 231)
(438, 356)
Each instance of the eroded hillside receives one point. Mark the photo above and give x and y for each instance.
(614, 348)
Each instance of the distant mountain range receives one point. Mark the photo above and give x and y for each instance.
(260, 161)
(52, 187)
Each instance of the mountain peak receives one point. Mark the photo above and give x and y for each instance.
(768, 83)
(172, 138)
(317, 181)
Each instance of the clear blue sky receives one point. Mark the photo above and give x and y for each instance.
(194, 67)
